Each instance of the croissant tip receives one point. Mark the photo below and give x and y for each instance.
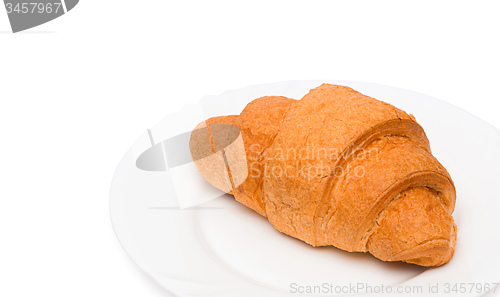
(440, 257)
(433, 253)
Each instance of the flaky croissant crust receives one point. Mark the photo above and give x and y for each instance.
(340, 168)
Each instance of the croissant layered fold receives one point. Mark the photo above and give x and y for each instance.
(335, 168)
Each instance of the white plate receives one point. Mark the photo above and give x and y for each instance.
(221, 248)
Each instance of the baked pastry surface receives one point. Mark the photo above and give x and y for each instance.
(335, 168)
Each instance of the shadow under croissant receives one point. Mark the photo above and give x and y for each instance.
(356, 258)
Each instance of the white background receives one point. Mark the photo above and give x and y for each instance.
(76, 93)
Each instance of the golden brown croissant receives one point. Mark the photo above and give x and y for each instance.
(335, 168)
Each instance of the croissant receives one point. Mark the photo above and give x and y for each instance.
(336, 168)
